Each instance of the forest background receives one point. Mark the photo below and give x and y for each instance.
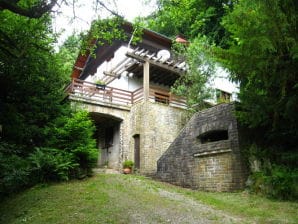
(255, 41)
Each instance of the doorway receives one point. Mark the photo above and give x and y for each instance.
(137, 150)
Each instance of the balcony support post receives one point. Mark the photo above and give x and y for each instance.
(146, 79)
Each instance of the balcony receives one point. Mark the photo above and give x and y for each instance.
(89, 92)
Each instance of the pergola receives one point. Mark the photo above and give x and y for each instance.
(147, 65)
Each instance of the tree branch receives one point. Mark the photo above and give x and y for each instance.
(109, 10)
(36, 11)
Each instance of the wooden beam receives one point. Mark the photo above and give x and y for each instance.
(146, 80)
(164, 66)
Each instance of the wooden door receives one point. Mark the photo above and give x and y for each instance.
(137, 151)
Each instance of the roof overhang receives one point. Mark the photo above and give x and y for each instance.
(161, 71)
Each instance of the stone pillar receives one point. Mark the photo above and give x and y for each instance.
(146, 72)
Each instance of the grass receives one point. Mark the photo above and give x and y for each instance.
(252, 207)
(126, 198)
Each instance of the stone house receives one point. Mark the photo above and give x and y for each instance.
(126, 89)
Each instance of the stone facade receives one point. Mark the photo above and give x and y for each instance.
(206, 154)
(156, 124)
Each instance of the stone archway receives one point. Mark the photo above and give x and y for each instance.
(108, 139)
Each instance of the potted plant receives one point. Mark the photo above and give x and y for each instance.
(127, 166)
(100, 84)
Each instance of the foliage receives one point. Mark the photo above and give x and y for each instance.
(262, 56)
(272, 174)
(128, 164)
(68, 52)
(102, 31)
(51, 165)
(191, 18)
(14, 170)
(30, 81)
(278, 182)
(31, 104)
(29, 8)
(193, 84)
(74, 135)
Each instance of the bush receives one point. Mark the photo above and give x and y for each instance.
(283, 182)
(70, 152)
(277, 179)
(51, 165)
(74, 134)
(14, 170)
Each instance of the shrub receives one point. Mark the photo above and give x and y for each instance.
(51, 165)
(14, 170)
(272, 175)
(128, 164)
(283, 182)
(74, 135)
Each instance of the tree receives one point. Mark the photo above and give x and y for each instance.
(31, 104)
(68, 53)
(30, 79)
(193, 84)
(28, 8)
(263, 56)
(36, 9)
(191, 18)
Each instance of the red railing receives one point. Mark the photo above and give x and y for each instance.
(105, 94)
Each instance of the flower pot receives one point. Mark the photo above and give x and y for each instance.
(101, 86)
(127, 170)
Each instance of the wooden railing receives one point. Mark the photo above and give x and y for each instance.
(99, 93)
(162, 96)
(105, 94)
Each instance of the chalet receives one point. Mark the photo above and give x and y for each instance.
(126, 89)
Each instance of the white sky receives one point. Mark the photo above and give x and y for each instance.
(130, 9)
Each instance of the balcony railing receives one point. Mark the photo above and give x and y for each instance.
(91, 92)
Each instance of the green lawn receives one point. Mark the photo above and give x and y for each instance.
(123, 198)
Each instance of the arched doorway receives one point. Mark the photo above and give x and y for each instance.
(108, 139)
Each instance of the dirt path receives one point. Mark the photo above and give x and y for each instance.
(137, 202)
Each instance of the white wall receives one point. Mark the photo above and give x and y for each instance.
(218, 81)
(221, 81)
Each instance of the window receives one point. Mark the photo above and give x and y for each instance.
(214, 136)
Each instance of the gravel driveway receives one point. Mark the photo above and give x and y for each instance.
(142, 203)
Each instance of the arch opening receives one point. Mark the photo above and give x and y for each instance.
(107, 136)
(214, 136)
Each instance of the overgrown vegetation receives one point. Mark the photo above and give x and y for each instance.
(257, 42)
(70, 152)
(42, 138)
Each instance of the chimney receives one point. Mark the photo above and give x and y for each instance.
(180, 39)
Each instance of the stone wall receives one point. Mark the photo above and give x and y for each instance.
(158, 125)
(206, 154)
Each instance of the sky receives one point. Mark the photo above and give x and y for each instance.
(130, 9)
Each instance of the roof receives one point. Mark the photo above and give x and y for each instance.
(151, 43)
